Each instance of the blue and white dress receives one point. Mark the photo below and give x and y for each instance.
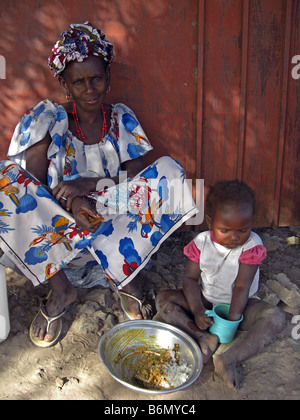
(41, 238)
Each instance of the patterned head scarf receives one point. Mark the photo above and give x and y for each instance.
(79, 42)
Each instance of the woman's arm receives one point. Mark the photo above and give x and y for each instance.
(240, 293)
(80, 187)
(85, 215)
(37, 164)
(133, 167)
(37, 160)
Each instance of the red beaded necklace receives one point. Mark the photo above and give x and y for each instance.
(79, 129)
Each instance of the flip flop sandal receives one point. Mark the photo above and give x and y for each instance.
(49, 319)
(125, 304)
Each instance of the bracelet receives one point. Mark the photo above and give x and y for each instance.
(90, 200)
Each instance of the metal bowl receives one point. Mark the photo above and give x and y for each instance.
(122, 348)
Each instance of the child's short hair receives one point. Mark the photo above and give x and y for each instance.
(228, 192)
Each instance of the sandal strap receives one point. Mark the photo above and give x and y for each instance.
(132, 297)
(48, 318)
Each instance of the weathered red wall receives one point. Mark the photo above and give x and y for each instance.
(209, 80)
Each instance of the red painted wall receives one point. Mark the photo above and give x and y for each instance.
(210, 81)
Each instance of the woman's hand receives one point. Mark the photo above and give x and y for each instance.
(85, 215)
(66, 191)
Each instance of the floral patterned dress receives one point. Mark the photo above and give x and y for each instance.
(41, 238)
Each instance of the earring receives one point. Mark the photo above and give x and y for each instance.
(108, 89)
(68, 96)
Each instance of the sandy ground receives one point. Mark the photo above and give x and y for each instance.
(71, 370)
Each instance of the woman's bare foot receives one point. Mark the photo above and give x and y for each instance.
(227, 371)
(63, 294)
(208, 344)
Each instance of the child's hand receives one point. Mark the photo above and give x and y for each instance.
(203, 321)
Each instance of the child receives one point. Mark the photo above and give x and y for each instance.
(226, 259)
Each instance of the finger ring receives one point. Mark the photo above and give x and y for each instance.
(63, 198)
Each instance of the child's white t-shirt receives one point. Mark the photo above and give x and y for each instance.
(219, 265)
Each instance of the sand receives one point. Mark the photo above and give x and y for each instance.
(72, 370)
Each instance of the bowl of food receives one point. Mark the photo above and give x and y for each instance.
(150, 356)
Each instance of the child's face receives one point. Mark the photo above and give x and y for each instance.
(232, 224)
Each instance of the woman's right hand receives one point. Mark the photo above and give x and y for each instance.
(69, 190)
(85, 215)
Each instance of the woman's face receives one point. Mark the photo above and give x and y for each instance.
(87, 82)
(232, 224)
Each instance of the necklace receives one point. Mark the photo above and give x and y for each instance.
(79, 129)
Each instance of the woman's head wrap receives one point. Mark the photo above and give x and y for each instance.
(79, 42)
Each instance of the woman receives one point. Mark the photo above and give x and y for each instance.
(64, 198)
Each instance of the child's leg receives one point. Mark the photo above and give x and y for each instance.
(173, 307)
(262, 323)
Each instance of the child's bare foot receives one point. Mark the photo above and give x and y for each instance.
(208, 344)
(227, 371)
